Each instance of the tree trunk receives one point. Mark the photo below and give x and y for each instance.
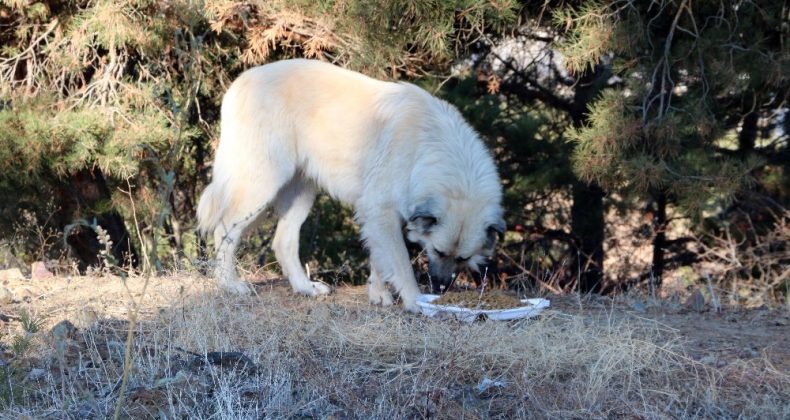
(659, 241)
(587, 224)
(748, 135)
(587, 211)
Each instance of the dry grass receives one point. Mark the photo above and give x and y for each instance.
(339, 357)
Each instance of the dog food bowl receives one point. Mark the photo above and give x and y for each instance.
(530, 308)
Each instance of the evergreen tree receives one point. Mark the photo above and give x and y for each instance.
(109, 111)
(109, 108)
(694, 74)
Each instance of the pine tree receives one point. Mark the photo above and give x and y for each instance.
(122, 97)
(693, 75)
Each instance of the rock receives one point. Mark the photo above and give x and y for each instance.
(36, 374)
(639, 306)
(696, 302)
(61, 337)
(86, 317)
(5, 295)
(113, 350)
(39, 271)
(489, 387)
(62, 332)
(226, 359)
(182, 377)
(86, 410)
(24, 294)
(11, 274)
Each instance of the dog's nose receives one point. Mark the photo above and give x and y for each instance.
(440, 284)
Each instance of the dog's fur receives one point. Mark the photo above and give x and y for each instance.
(397, 154)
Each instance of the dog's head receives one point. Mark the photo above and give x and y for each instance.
(455, 233)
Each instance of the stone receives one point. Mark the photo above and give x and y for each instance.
(5, 295)
(182, 377)
(63, 330)
(490, 387)
(36, 374)
(11, 274)
(86, 317)
(639, 306)
(39, 271)
(696, 302)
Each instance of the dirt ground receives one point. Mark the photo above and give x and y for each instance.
(716, 338)
(755, 343)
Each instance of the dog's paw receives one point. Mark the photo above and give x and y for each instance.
(319, 288)
(411, 306)
(408, 296)
(379, 296)
(235, 287)
(313, 289)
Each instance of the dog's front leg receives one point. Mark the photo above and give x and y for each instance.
(389, 259)
(377, 290)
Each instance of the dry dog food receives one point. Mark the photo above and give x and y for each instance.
(472, 299)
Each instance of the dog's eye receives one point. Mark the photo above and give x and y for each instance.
(460, 260)
(440, 253)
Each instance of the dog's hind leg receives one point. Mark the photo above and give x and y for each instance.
(248, 199)
(293, 204)
(225, 242)
(226, 239)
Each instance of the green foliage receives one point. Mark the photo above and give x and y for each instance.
(31, 324)
(432, 31)
(21, 344)
(383, 38)
(330, 240)
(131, 89)
(688, 75)
(111, 107)
(532, 154)
(593, 31)
(38, 142)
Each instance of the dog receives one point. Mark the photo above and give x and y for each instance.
(404, 159)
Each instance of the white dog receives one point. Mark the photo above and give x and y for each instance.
(397, 154)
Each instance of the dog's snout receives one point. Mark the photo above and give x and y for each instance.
(441, 284)
(442, 272)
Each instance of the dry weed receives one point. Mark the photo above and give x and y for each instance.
(340, 357)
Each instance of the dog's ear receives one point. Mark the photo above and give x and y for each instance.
(494, 231)
(422, 219)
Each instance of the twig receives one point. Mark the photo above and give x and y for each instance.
(482, 288)
(147, 262)
(714, 300)
(540, 282)
(135, 310)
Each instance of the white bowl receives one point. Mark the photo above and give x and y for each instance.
(531, 308)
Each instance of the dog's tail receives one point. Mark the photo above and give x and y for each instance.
(210, 209)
